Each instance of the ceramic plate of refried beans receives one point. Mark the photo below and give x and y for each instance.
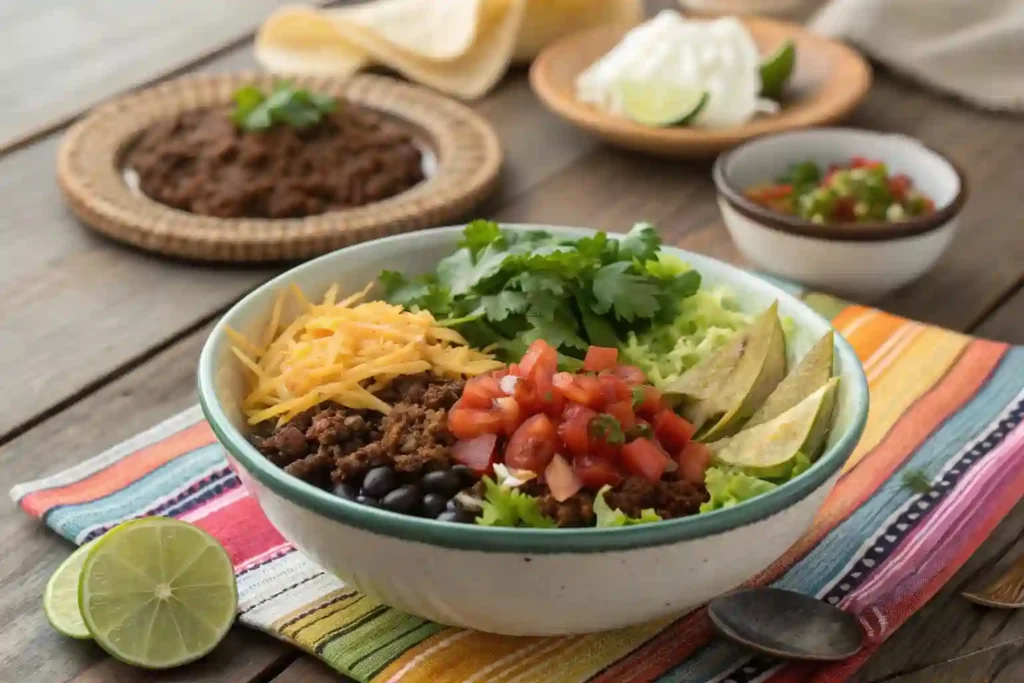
(253, 168)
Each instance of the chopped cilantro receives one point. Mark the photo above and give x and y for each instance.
(917, 481)
(606, 428)
(286, 104)
(509, 288)
(641, 430)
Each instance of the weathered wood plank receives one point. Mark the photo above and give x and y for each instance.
(1007, 322)
(58, 58)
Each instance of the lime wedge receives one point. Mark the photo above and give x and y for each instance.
(772, 449)
(776, 70)
(660, 104)
(157, 592)
(60, 600)
(809, 375)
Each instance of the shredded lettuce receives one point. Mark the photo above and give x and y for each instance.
(504, 506)
(609, 517)
(705, 322)
(729, 487)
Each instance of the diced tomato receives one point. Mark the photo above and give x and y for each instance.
(672, 430)
(898, 186)
(595, 472)
(631, 374)
(510, 413)
(623, 412)
(541, 358)
(858, 162)
(514, 369)
(770, 192)
(575, 428)
(650, 402)
(645, 458)
(498, 374)
(533, 445)
(600, 358)
(561, 479)
(693, 461)
(481, 391)
(583, 389)
(844, 208)
(526, 397)
(478, 454)
(468, 423)
(614, 389)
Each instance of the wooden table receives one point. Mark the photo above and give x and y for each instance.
(98, 342)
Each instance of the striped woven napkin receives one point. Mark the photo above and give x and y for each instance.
(943, 405)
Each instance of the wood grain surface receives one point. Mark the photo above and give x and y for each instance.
(98, 342)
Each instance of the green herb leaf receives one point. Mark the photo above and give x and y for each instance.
(917, 481)
(480, 234)
(286, 104)
(511, 507)
(641, 430)
(557, 330)
(500, 306)
(606, 428)
(641, 243)
(628, 296)
(423, 293)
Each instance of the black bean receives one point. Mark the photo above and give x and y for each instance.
(378, 482)
(465, 500)
(404, 500)
(465, 516)
(368, 501)
(447, 482)
(346, 491)
(467, 475)
(456, 517)
(451, 505)
(433, 504)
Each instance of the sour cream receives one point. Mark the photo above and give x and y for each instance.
(718, 57)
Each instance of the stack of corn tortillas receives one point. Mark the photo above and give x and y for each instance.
(460, 47)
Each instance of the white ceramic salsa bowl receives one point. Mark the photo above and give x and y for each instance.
(523, 581)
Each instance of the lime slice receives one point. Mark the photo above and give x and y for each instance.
(776, 70)
(60, 600)
(809, 375)
(157, 592)
(660, 104)
(772, 449)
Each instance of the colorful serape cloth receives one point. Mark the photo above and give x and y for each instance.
(944, 406)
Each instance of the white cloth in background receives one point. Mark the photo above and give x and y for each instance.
(973, 49)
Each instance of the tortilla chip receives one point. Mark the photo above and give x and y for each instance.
(300, 39)
(548, 20)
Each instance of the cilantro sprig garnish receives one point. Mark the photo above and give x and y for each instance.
(509, 288)
(286, 104)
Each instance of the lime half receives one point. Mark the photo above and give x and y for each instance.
(776, 70)
(157, 592)
(60, 601)
(660, 104)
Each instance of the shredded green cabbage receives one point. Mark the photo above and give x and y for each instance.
(705, 322)
(609, 517)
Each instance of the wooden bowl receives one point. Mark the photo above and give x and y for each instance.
(463, 149)
(830, 79)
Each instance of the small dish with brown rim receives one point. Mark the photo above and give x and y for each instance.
(244, 168)
(864, 259)
(828, 81)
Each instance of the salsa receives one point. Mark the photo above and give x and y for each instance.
(860, 191)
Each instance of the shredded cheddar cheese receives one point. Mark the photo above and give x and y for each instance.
(345, 352)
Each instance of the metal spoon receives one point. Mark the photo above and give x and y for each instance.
(786, 624)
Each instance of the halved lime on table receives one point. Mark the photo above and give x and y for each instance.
(660, 104)
(60, 600)
(153, 592)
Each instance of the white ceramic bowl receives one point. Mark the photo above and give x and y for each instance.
(523, 581)
(864, 261)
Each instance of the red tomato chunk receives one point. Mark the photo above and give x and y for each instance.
(533, 445)
(600, 358)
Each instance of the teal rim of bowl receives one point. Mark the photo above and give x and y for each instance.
(524, 540)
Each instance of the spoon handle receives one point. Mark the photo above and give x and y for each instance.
(1007, 591)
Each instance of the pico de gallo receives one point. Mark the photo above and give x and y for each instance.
(574, 431)
(858, 191)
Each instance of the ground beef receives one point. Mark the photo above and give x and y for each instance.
(669, 498)
(202, 163)
(332, 444)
